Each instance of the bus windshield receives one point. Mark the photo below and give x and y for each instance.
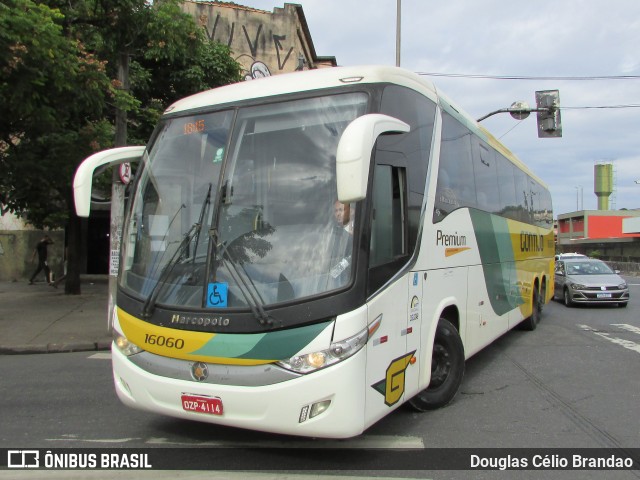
(238, 208)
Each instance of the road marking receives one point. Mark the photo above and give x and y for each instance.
(626, 326)
(72, 437)
(100, 356)
(628, 344)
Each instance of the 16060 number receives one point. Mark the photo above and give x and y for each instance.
(163, 341)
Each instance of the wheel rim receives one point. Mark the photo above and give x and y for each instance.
(440, 366)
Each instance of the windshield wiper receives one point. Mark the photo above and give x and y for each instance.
(149, 305)
(253, 298)
(207, 202)
(193, 233)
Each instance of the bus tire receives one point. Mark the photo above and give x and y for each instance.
(531, 323)
(447, 369)
(543, 297)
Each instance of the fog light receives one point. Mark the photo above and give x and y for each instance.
(318, 408)
(310, 411)
(125, 385)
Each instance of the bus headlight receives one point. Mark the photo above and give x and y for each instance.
(124, 345)
(337, 352)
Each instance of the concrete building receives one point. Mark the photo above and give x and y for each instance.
(17, 241)
(600, 231)
(613, 235)
(264, 43)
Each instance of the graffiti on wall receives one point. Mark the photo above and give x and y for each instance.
(255, 42)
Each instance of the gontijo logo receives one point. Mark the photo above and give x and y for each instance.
(392, 386)
(531, 242)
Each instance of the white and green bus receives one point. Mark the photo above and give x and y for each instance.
(304, 253)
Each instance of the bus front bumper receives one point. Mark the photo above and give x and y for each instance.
(283, 407)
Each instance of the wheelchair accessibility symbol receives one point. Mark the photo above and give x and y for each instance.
(217, 294)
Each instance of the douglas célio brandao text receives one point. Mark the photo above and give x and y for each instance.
(551, 461)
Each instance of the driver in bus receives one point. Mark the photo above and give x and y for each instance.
(342, 215)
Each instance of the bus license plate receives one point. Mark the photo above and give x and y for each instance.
(195, 403)
(604, 295)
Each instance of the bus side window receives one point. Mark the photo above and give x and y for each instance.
(388, 243)
(485, 173)
(456, 181)
(507, 188)
(419, 112)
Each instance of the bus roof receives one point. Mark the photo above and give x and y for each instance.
(305, 81)
(310, 80)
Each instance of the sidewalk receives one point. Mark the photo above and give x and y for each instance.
(42, 319)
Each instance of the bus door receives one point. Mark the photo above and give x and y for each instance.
(390, 353)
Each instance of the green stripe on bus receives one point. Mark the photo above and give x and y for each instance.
(498, 260)
(262, 346)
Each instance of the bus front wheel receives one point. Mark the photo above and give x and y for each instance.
(447, 369)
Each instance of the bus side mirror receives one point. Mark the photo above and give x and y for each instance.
(84, 174)
(353, 157)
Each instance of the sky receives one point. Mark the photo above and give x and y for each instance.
(537, 39)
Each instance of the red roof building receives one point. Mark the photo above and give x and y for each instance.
(610, 234)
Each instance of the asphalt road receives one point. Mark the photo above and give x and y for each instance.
(572, 383)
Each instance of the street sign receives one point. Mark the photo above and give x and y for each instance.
(124, 170)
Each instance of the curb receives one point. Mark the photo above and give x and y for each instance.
(101, 345)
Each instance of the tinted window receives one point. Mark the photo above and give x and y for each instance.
(473, 174)
(507, 188)
(414, 147)
(387, 227)
(456, 186)
(523, 196)
(388, 245)
(484, 167)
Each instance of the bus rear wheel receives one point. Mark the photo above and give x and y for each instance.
(447, 369)
(531, 323)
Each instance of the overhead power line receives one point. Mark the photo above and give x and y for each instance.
(525, 77)
(631, 105)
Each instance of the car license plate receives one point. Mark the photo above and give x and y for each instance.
(201, 404)
(603, 295)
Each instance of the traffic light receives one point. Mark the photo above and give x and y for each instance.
(548, 108)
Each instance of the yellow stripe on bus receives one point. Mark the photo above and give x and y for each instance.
(175, 343)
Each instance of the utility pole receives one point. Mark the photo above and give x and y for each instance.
(579, 198)
(117, 190)
(398, 31)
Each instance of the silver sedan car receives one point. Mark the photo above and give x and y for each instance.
(587, 280)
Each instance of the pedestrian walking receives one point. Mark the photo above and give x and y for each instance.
(41, 251)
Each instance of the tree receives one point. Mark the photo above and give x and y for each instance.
(60, 92)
